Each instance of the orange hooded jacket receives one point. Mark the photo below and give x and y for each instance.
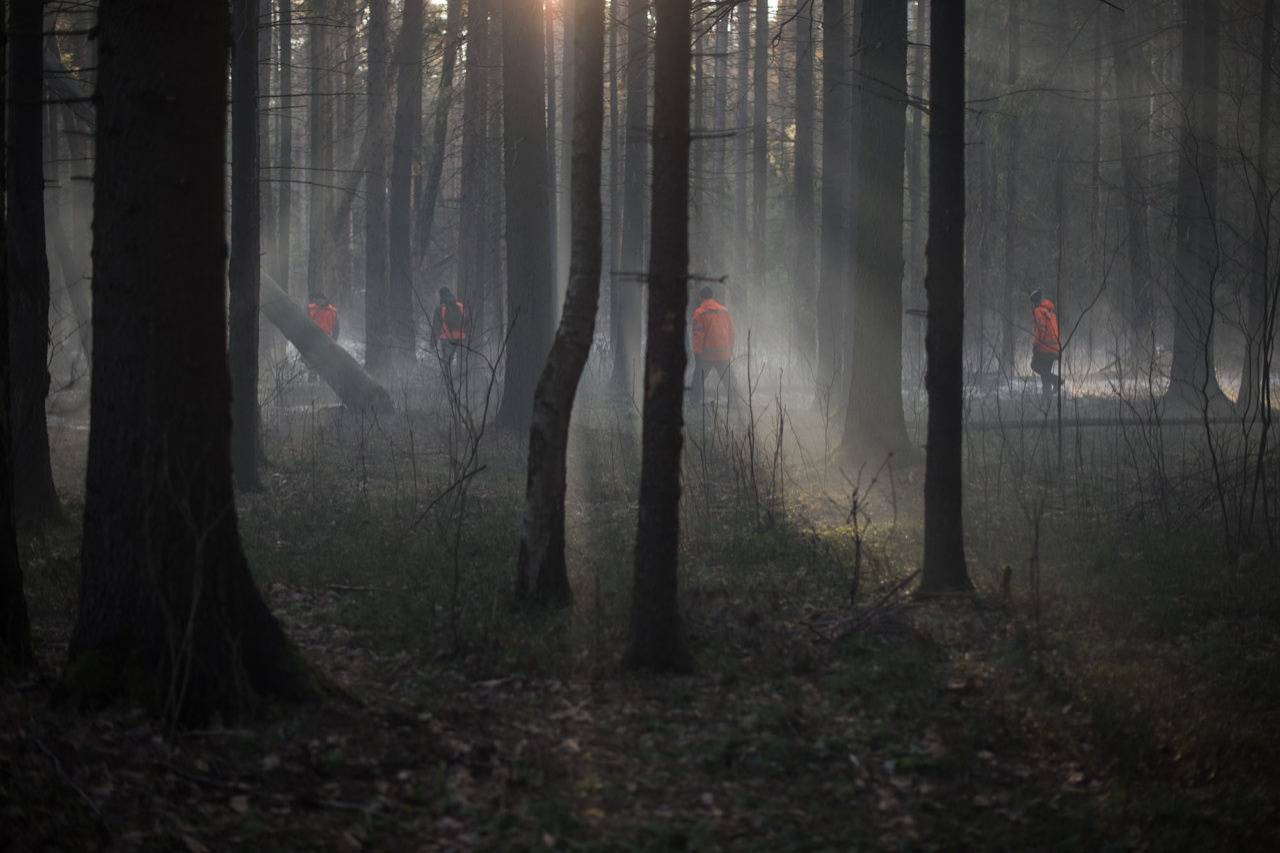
(713, 332)
(1044, 329)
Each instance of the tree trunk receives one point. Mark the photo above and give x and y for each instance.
(245, 246)
(376, 354)
(944, 568)
(440, 128)
(835, 190)
(915, 153)
(320, 250)
(473, 237)
(1193, 380)
(626, 346)
(542, 575)
(401, 325)
(874, 421)
(741, 253)
(760, 149)
(35, 498)
(1009, 303)
(284, 214)
(806, 226)
(549, 66)
(529, 211)
(16, 654)
(568, 87)
(168, 613)
(344, 163)
(266, 196)
(355, 388)
(720, 165)
(1136, 305)
(656, 639)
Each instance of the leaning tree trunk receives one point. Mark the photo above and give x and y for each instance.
(806, 226)
(36, 499)
(16, 654)
(376, 358)
(541, 573)
(400, 308)
(246, 244)
(656, 639)
(835, 190)
(528, 197)
(944, 568)
(1193, 381)
(874, 421)
(626, 307)
(169, 612)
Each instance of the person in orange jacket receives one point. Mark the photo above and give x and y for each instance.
(324, 314)
(712, 345)
(449, 328)
(1046, 344)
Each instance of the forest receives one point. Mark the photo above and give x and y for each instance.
(639, 424)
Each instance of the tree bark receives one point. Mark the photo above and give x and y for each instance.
(626, 345)
(355, 388)
(401, 325)
(740, 270)
(376, 354)
(564, 192)
(806, 224)
(656, 638)
(1193, 381)
(246, 245)
(549, 66)
(542, 575)
(284, 216)
(168, 613)
(874, 420)
(835, 190)
(1008, 301)
(35, 498)
(944, 569)
(16, 654)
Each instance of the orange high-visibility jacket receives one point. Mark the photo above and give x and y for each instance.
(325, 316)
(450, 334)
(1044, 331)
(713, 332)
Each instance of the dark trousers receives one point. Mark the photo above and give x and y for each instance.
(722, 371)
(1042, 366)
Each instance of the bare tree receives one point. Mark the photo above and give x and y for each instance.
(284, 170)
(401, 325)
(806, 223)
(835, 190)
(440, 127)
(542, 575)
(473, 237)
(168, 613)
(656, 639)
(760, 145)
(944, 568)
(320, 202)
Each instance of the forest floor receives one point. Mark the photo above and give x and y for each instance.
(1125, 696)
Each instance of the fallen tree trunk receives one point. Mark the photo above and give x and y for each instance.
(355, 388)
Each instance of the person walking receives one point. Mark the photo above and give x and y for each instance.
(449, 330)
(1046, 344)
(325, 315)
(712, 346)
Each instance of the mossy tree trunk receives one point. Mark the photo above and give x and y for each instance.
(169, 613)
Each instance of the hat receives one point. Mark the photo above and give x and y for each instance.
(1037, 295)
